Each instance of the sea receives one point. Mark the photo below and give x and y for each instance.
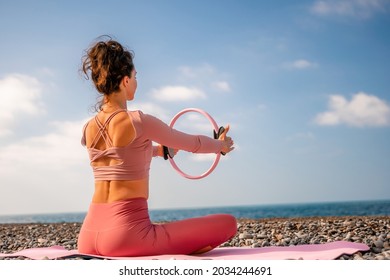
(323, 209)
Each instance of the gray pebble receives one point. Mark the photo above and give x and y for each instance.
(245, 235)
(378, 243)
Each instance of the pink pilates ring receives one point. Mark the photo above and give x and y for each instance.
(217, 157)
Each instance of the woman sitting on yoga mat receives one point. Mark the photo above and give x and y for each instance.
(119, 143)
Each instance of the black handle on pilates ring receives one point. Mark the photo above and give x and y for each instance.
(217, 134)
(168, 152)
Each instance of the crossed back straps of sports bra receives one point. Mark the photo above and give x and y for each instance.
(102, 133)
(132, 161)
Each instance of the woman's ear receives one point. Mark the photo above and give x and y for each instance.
(125, 80)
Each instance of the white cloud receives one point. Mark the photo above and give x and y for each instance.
(178, 93)
(152, 109)
(57, 149)
(207, 158)
(351, 8)
(300, 64)
(205, 70)
(194, 123)
(204, 76)
(203, 157)
(221, 86)
(47, 173)
(20, 97)
(362, 110)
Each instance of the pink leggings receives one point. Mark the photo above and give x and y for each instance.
(123, 228)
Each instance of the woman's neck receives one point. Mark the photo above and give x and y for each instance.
(113, 103)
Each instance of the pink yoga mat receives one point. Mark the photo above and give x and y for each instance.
(327, 251)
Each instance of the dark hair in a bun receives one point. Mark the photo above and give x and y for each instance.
(107, 62)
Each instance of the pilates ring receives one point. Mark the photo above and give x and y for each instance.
(217, 132)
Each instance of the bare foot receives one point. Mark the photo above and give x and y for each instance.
(203, 250)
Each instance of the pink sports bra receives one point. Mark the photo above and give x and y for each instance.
(134, 158)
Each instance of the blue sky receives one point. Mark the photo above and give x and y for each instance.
(304, 85)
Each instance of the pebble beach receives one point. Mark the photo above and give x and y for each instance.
(373, 231)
